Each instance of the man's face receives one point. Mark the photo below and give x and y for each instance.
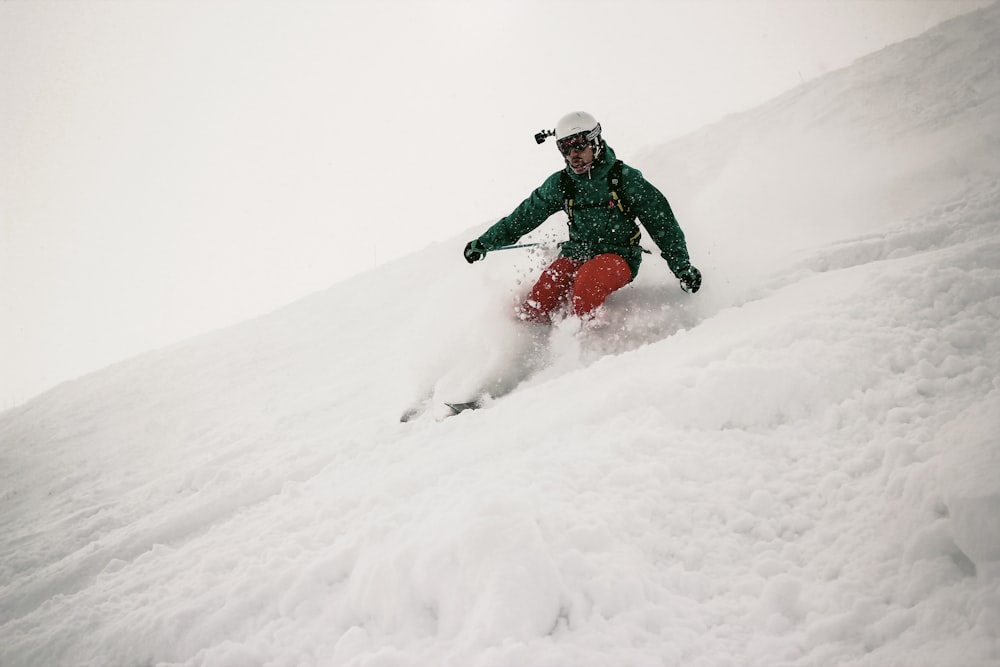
(580, 160)
(578, 152)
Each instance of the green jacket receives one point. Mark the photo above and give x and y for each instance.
(599, 226)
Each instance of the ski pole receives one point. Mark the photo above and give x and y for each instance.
(523, 245)
(535, 245)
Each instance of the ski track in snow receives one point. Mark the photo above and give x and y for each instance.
(797, 466)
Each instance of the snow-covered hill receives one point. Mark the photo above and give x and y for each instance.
(797, 466)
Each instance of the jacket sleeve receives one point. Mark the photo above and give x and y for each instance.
(654, 211)
(545, 201)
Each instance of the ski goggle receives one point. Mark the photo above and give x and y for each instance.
(576, 142)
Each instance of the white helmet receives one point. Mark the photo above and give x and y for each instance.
(579, 123)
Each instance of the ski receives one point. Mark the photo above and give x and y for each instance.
(458, 408)
(453, 409)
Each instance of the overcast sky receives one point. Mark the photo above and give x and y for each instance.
(167, 168)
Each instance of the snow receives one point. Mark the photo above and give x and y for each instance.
(796, 466)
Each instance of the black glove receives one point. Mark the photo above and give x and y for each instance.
(690, 279)
(474, 251)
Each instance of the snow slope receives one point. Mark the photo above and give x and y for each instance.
(797, 466)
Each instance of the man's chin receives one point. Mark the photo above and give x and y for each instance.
(582, 169)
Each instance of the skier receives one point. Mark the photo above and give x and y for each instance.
(602, 197)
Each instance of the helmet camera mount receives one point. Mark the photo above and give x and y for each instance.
(543, 135)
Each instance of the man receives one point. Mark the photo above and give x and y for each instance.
(602, 199)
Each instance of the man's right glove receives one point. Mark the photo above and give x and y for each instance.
(690, 279)
(474, 251)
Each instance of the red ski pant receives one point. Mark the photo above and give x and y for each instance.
(585, 285)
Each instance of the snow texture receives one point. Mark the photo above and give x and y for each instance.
(797, 466)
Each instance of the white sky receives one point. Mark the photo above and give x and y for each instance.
(171, 167)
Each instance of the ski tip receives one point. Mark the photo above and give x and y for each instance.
(412, 414)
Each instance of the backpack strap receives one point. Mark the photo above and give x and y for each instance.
(618, 198)
(568, 190)
(617, 190)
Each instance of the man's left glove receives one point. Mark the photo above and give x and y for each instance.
(474, 251)
(690, 279)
